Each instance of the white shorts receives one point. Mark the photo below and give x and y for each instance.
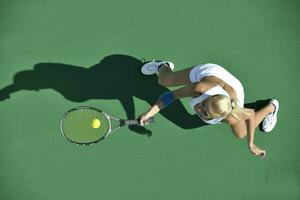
(209, 69)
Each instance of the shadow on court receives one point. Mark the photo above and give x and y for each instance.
(114, 77)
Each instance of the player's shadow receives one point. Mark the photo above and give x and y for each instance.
(114, 77)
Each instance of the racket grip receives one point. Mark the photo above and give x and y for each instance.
(137, 121)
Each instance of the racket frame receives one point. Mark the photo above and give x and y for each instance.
(121, 122)
(91, 108)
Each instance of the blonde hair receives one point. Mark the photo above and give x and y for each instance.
(221, 106)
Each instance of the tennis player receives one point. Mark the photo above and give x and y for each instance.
(216, 96)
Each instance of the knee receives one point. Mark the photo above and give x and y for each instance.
(240, 135)
(239, 129)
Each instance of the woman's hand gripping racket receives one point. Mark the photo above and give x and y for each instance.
(86, 125)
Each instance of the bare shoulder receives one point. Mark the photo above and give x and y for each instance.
(231, 120)
(204, 85)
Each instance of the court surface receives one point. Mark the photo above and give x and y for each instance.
(56, 55)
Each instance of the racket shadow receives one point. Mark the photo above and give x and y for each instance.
(114, 77)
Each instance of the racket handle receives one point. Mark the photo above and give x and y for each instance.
(137, 121)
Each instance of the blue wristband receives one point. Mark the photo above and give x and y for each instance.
(167, 98)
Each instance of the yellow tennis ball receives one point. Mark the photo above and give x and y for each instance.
(96, 123)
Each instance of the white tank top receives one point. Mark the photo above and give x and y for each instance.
(210, 69)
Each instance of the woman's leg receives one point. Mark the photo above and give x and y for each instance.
(240, 128)
(262, 113)
(168, 78)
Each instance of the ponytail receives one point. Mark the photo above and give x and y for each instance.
(221, 106)
(236, 111)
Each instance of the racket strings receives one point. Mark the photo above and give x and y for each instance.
(77, 126)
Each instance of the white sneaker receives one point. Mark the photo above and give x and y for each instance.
(270, 121)
(152, 67)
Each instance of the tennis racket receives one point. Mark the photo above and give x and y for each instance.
(86, 125)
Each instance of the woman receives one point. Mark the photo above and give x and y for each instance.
(217, 96)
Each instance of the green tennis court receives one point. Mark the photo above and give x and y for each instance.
(56, 55)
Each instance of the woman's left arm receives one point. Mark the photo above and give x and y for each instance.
(249, 120)
(250, 123)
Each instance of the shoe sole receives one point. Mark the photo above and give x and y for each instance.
(275, 102)
(147, 72)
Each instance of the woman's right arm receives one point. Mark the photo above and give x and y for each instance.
(166, 99)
